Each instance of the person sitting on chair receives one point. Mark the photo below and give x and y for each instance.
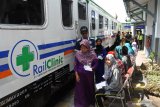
(112, 77)
(112, 74)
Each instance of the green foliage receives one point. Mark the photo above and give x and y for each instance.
(153, 83)
(153, 76)
(152, 57)
(156, 73)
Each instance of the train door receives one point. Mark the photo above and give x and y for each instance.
(82, 15)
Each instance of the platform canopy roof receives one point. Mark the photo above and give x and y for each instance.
(136, 8)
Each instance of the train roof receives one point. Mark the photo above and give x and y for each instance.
(100, 8)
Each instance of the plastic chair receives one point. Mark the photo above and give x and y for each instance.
(120, 95)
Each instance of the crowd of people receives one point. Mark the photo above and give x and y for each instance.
(94, 64)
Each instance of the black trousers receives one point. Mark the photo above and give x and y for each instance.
(140, 43)
(100, 96)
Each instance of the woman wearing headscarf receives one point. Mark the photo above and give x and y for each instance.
(113, 79)
(118, 52)
(101, 53)
(130, 50)
(112, 74)
(118, 61)
(85, 64)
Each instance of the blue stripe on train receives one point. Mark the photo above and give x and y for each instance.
(4, 67)
(55, 52)
(45, 46)
(4, 54)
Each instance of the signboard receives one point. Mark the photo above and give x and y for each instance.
(140, 27)
(127, 27)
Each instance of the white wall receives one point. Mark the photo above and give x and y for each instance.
(151, 6)
(149, 25)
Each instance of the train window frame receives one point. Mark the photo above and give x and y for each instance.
(106, 23)
(84, 5)
(27, 26)
(93, 18)
(71, 10)
(101, 21)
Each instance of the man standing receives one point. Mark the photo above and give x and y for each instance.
(84, 33)
(140, 40)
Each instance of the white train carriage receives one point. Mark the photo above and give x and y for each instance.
(36, 51)
(102, 24)
(37, 48)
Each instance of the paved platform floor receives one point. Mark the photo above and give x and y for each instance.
(67, 101)
(141, 58)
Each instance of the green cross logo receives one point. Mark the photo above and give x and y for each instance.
(25, 58)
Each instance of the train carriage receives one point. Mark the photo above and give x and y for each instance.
(37, 47)
(102, 24)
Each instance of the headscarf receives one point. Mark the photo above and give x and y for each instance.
(111, 58)
(118, 50)
(112, 52)
(130, 50)
(99, 48)
(134, 47)
(109, 69)
(118, 61)
(88, 57)
(134, 44)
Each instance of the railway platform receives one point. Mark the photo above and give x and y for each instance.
(138, 99)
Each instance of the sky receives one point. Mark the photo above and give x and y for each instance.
(113, 7)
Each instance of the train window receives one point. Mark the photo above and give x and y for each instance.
(82, 11)
(67, 12)
(106, 23)
(23, 12)
(100, 22)
(93, 19)
(112, 25)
